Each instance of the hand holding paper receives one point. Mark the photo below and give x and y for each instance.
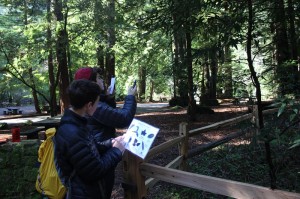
(119, 143)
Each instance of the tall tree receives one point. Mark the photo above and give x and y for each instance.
(52, 82)
(283, 70)
(293, 46)
(61, 51)
(30, 70)
(104, 17)
(228, 86)
(258, 90)
(189, 63)
(179, 38)
(111, 40)
(142, 71)
(100, 39)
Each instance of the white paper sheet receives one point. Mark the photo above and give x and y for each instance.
(139, 137)
(112, 85)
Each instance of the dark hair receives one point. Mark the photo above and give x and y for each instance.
(95, 71)
(83, 91)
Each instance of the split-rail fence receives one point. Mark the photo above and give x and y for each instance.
(136, 170)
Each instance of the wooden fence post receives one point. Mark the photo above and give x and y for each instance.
(134, 182)
(183, 145)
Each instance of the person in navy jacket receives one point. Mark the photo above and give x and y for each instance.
(81, 166)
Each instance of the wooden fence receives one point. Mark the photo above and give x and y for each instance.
(136, 170)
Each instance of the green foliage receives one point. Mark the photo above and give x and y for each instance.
(144, 37)
(18, 170)
(288, 109)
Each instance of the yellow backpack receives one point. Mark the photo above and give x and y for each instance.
(48, 182)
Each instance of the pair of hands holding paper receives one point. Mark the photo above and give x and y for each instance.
(117, 142)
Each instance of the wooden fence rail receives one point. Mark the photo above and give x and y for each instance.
(214, 185)
(235, 120)
(173, 164)
(205, 147)
(135, 169)
(163, 147)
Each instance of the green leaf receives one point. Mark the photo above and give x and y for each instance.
(292, 117)
(295, 144)
(281, 109)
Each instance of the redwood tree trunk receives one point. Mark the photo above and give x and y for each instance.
(151, 91)
(214, 73)
(61, 53)
(180, 67)
(189, 64)
(293, 43)
(228, 89)
(34, 93)
(142, 83)
(282, 48)
(98, 16)
(52, 83)
(111, 36)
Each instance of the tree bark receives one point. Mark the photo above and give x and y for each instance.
(189, 64)
(181, 74)
(214, 73)
(174, 65)
(98, 17)
(61, 53)
(205, 81)
(52, 82)
(34, 93)
(228, 89)
(111, 36)
(282, 48)
(142, 83)
(151, 91)
(293, 43)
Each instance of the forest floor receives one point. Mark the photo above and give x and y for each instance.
(167, 119)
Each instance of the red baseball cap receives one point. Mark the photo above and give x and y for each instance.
(83, 73)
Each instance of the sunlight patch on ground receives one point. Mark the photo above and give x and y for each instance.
(230, 109)
(162, 113)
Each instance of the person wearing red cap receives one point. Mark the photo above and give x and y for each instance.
(107, 117)
(89, 73)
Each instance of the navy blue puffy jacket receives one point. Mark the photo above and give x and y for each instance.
(76, 152)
